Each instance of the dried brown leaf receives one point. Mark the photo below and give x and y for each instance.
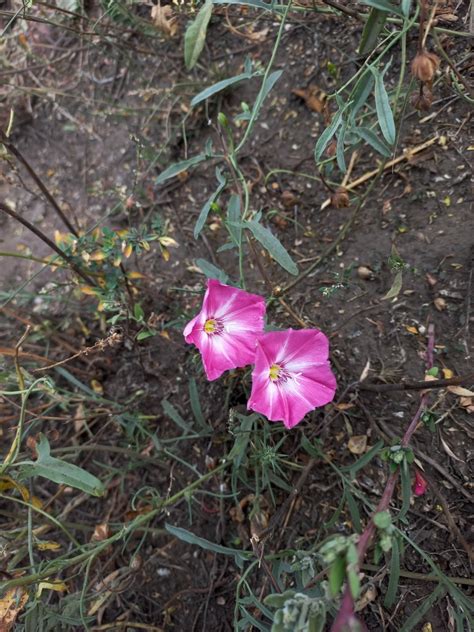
(164, 19)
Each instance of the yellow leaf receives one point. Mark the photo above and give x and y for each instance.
(357, 444)
(97, 387)
(145, 245)
(168, 242)
(48, 545)
(165, 254)
(448, 374)
(57, 586)
(135, 275)
(411, 330)
(98, 256)
(127, 250)
(11, 603)
(427, 628)
(87, 289)
(7, 483)
(117, 261)
(122, 233)
(165, 334)
(447, 201)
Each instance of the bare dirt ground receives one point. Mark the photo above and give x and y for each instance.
(104, 121)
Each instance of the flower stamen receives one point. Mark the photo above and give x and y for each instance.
(213, 326)
(278, 373)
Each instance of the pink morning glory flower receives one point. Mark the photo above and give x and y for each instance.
(227, 327)
(292, 375)
(420, 484)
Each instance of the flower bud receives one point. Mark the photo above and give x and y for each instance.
(340, 198)
(424, 66)
(420, 485)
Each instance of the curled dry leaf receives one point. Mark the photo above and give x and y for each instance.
(461, 391)
(368, 596)
(357, 444)
(164, 20)
(101, 532)
(314, 98)
(11, 604)
(363, 272)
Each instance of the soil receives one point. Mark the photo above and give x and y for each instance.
(97, 119)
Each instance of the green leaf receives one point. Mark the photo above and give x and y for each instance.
(273, 246)
(207, 206)
(196, 35)
(394, 575)
(326, 136)
(371, 137)
(242, 437)
(337, 574)
(382, 519)
(361, 92)
(396, 287)
(196, 405)
(138, 311)
(173, 414)
(341, 161)
(384, 111)
(212, 271)
(191, 538)
(383, 5)
(364, 459)
(354, 582)
(219, 86)
(354, 511)
(405, 7)
(415, 617)
(233, 219)
(179, 167)
(405, 480)
(60, 472)
(372, 29)
(256, 4)
(143, 335)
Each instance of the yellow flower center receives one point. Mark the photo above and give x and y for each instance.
(274, 372)
(210, 326)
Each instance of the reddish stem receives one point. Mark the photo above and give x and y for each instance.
(346, 618)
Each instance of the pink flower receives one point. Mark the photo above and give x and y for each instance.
(291, 375)
(227, 327)
(420, 484)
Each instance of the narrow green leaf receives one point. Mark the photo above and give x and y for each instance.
(191, 538)
(212, 271)
(374, 141)
(143, 335)
(341, 161)
(242, 437)
(372, 29)
(196, 405)
(405, 7)
(60, 472)
(361, 92)
(207, 206)
(384, 111)
(337, 574)
(233, 219)
(219, 86)
(173, 414)
(354, 582)
(394, 575)
(383, 5)
(364, 459)
(256, 4)
(179, 167)
(354, 511)
(396, 287)
(326, 136)
(195, 36)
(138, 312)
(415, 617)
(268, 84)
(273, 246)
(405, 480)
